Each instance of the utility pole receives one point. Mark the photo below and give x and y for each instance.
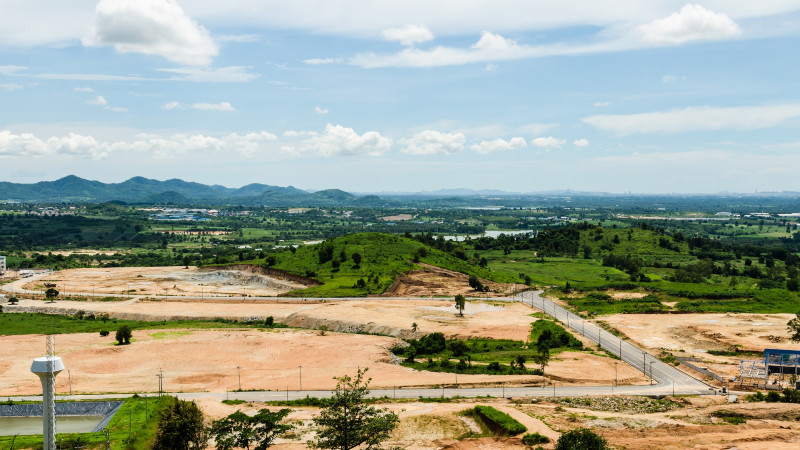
(239, 372)
(651, 372)
(301, 377)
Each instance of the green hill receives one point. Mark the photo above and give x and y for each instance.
(383, 256)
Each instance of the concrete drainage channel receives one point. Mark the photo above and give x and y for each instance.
(71, 417)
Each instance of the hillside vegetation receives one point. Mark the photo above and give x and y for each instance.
(367, 263)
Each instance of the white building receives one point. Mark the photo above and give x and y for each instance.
(2, 265)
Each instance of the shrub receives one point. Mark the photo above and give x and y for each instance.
(534, 439)
(773, 397)
(123, 335)
(500, 422)
(104, 333)
(269, 322)
(494, 366)
(581, 439)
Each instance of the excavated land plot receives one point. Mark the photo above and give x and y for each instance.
(693, 335)
(161, 281)
(435, 281)
(694, 426)
(499, 320)
(207, 360)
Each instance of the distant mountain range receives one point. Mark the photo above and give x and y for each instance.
(178, 192)
(143, 190)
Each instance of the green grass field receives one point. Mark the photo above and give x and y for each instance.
(33, 323)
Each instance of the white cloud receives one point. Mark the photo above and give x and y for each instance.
(221, 106)
(692, 23)
(490, 67)
(408, 34)
(601, 104)
(548, 142)
(319, 61)
(319, 110)
(295, 133)
(152, 27)
(119, 109)
(702, 118)
(83, 89)
(11, 70)
(430, 142)
(28, 145)
(10, 87)
(173, 105)
(230, 74)
(499, 144)
(337, 140)
(581, 143)
(97, 101)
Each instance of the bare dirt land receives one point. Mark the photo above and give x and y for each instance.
(435, 281)
(499, 320)
(207, 360)
(693, 335)
(169, 281)
(422, 425)
(695, 425)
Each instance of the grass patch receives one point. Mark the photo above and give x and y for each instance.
(499, 422)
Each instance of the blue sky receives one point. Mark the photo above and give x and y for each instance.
(615, 96)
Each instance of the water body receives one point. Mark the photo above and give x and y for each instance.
(489, 234)
(10, 426)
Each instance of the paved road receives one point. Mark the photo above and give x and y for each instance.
(663, 374)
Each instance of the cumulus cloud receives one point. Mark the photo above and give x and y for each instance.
(221, 106)
(430, 142)
(173, 105)
(158, 146)
(11, 86)
(97, 101)
(337, 140)
(692, 23)
(408, 34)
(702, 118)
(28, 145)
(548, 142)
(581, 143)
(498, 145)
(152, 27)
(319, 110)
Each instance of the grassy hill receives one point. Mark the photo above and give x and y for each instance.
(383, 256)
(690, 279)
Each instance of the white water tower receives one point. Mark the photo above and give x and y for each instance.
(47, 368)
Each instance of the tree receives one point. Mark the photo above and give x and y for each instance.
(581, 439)
(347, 422)
(475, 283)
(123, 335)
(335, 264)
(13, 300)
(181, 427)
(186, 261)
(794, 328)
(51, 294)
(521, 361)
(356, 259)
(239, 430)
(461, 303)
